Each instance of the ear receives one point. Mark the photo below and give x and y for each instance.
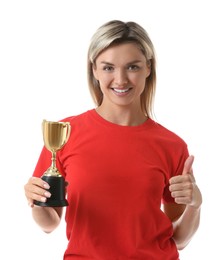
(148, 70)
(95, 74)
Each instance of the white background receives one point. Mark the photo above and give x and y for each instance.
(43, 47)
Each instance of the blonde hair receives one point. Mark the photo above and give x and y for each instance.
(117, 32)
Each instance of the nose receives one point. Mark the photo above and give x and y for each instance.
(121, 78)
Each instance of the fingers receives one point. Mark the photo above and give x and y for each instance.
(186, 193)
(182, 191)
(36, 189)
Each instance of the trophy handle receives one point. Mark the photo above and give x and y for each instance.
(67, 124)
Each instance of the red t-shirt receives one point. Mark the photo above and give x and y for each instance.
(118, 176)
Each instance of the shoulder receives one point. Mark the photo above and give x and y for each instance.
(75, 119)
(165, 134)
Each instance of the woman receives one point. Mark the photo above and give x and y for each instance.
(131, 190)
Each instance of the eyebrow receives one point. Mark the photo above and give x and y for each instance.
(111, 64)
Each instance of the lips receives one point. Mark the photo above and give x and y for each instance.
(121, 91)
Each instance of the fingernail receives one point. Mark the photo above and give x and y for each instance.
(46, 185)
(43, 199)
(47, 194)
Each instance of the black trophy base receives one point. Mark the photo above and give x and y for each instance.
(57, 190)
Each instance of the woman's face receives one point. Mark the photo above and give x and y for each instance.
(121, 71)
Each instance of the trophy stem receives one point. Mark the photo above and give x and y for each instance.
(53, 166)
(52, 170)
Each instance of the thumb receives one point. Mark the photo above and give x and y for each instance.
(188, 165)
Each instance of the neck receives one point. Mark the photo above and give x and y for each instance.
(121, 116)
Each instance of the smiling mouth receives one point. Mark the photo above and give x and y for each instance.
(121, 91)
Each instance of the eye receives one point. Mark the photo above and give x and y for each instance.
(133, 67)
(108, 68)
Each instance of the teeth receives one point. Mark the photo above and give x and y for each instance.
(121, 90)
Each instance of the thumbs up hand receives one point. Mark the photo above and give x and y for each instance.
(183, 187)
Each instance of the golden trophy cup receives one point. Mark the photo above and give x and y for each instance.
(55, 136)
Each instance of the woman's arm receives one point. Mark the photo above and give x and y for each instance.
(185, 213)
(48, 218)
(185, 220)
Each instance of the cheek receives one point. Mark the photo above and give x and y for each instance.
(105, 81)
(138, 80)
